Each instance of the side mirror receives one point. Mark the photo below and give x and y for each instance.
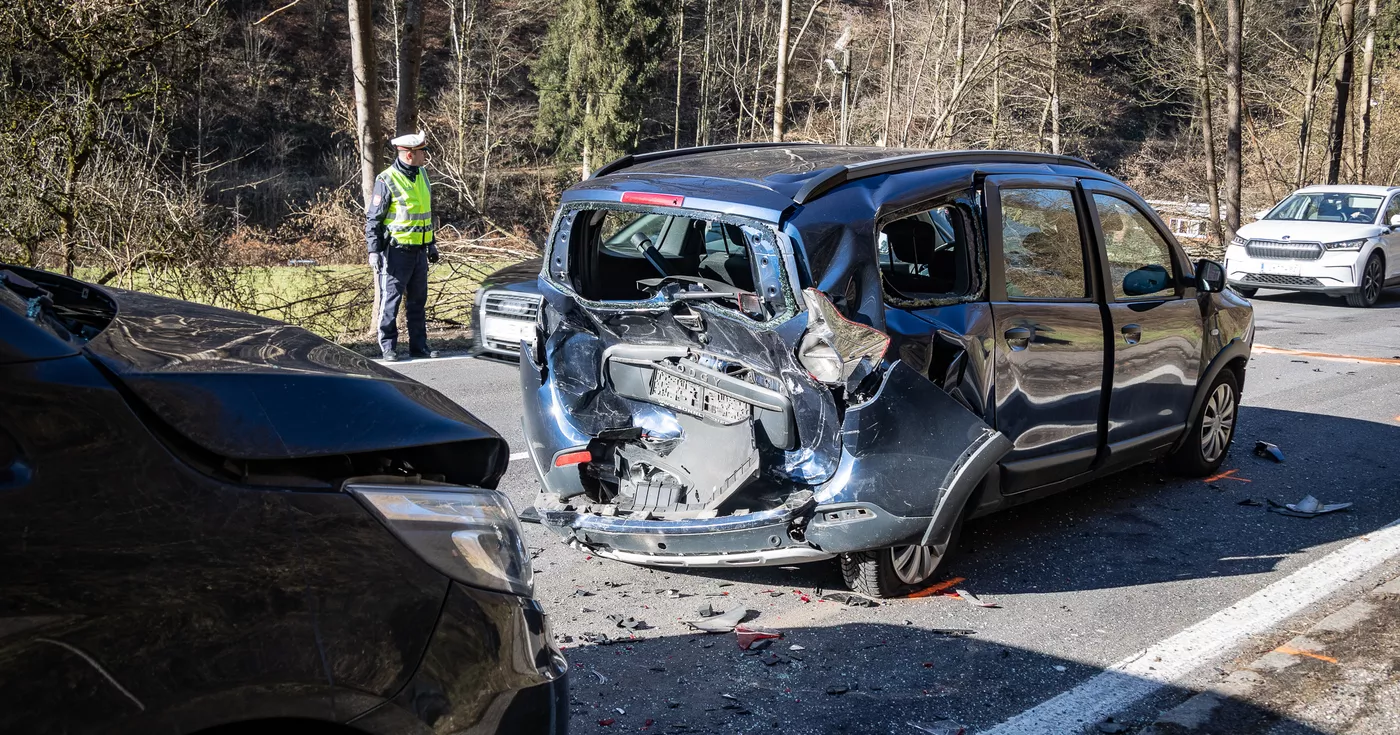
(1395, 220)
(1146, 280)
(1210, 276)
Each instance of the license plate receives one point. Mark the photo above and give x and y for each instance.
(697, 399)
(509, 330)
(1283, 269)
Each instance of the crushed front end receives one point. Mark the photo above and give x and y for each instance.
(686, 403)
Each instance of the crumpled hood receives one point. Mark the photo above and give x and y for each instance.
(1298, 231)
(246, 387)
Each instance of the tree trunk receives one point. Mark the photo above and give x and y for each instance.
(780, 83)
(959, 62)
(1234, 113)
(1336, 131)
(1368, 65)
(1300, 171)
(680, 68)
(1054, 105)
(363, 68)
(410, 62)
(996, 77)
(889, 81)
(702, 123)
(362, 64)
(587, 168)
(1207, 126)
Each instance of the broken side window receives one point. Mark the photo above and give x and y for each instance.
(928, 256)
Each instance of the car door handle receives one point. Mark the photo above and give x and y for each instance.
(1018, 338)
(1132, 334)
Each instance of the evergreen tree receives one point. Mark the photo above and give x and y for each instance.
(596, 72)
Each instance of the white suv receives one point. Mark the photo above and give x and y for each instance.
(1337, 240)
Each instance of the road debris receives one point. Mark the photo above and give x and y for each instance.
(580, 592)
(707, 611)
(629, 622)
(1251, 502)
(1111, 727)
(938, 727)
(528, 515)
(720, 622)
(795, 647)
(936, 589)
(672, 594)
(748, 634)
(837, 689)
(1308, 507)
(850, 599)
(1268, 451)
(606, 721)
(974, 600)
(601, 679)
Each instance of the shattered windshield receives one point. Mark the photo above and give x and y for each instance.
(70, 311)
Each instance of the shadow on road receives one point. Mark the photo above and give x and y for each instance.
(853, 678)
(1390, 299)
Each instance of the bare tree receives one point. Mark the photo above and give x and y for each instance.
(680, 69)
(1207, 127)
(889, 80)
(780, 83)
(1336, 131)
(364, 68)
(410, 61)
(1234, 112)
(1300, 171)
(1368, 65)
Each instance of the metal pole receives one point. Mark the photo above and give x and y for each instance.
(845, 95)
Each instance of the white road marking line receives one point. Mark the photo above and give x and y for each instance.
(1143, 673)
(423, 360)
(519, 455)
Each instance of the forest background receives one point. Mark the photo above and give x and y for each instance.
(217, 150)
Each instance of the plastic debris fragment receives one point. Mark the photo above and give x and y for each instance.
(1308, 507)
(850, 599)
(601, 679)
(1268, 451)
(721, 623)
(748, 634)
(629, 622)
(1250, 502)
(972, 599)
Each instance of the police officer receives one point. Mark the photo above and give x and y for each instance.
(399, 232)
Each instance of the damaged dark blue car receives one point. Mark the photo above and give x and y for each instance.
(774, 353)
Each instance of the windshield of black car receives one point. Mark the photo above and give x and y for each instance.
(1328, 206)
(69, 310)
(629, 255)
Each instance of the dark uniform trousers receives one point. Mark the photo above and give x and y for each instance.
(405, 277)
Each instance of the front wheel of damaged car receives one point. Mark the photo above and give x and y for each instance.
(1212, 431)
(890, 572)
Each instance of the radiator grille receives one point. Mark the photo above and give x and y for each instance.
(1279, 250)
(511, 306)
(1277, 280)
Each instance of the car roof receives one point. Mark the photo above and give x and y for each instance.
(1348, 189)
(804, 171)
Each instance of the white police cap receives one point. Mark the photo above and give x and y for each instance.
(412, 140)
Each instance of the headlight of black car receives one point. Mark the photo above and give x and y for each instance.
(470, 534)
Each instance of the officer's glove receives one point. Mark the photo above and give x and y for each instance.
(432, 253)
(377, 263)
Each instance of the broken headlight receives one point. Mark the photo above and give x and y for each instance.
(835, 350)
(470, 534)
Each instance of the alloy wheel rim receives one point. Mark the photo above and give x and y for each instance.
(914, 564)
(1371, 281)
(1218, 422)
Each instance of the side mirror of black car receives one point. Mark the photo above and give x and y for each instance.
(1146, 280)
(1210, 276)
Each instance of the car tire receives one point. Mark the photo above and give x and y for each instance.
(1210, 435)
(891, 572)
(1372, 282)
(1245, 291)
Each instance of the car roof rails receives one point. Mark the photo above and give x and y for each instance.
(837, 175)
(633, 159)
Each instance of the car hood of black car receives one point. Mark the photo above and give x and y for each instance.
(523, 272)
(246, 387)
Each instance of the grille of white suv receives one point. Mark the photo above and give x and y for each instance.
(506, 306)
(1278, 280)
(1280, 250)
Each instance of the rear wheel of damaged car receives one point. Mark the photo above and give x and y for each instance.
(1368, 292)
(1212, 431)
(896, 570)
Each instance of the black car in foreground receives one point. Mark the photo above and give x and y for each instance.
(775, 353)
(214, 520)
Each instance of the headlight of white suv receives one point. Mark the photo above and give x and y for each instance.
(1345, 244)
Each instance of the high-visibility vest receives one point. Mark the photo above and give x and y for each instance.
(409, 217)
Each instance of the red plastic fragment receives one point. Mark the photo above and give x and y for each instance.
(606, 721)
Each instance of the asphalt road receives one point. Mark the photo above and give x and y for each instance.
(1084, 579)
